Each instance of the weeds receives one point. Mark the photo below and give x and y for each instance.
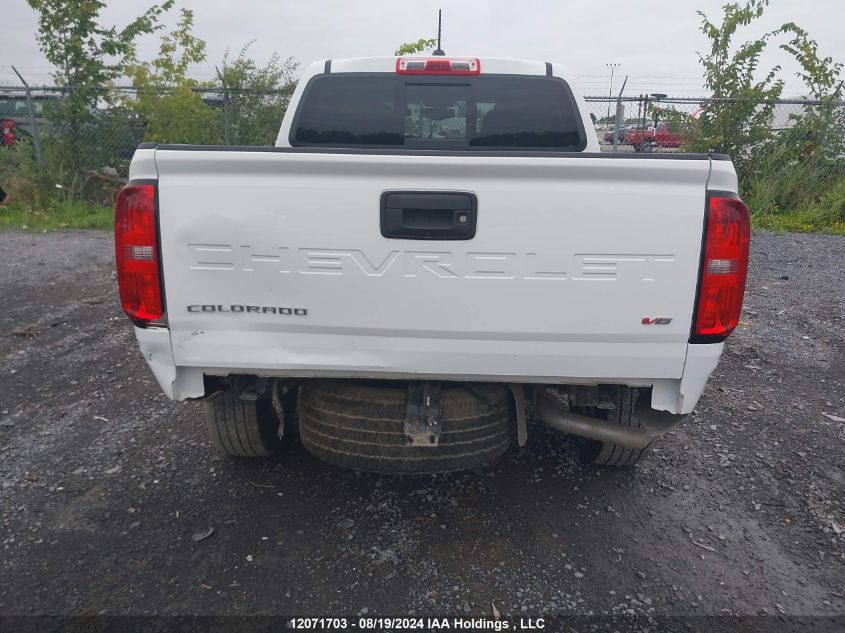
(35, 205)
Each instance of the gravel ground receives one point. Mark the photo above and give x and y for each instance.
(106, 486)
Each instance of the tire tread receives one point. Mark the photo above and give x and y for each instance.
(623, 414)
(360, 426)
(241, 428)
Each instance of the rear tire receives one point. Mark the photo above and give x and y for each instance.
(242, 428)
(624, 413)
(362, 426)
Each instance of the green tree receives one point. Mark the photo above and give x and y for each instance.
(799, 175)
(677, 121)
(165, 98)
(823, 125)
(87, 57)
(411, 48)
(256, 96)
(740, 117)
(789, 177)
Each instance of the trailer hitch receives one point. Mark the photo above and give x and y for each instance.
(422, 414)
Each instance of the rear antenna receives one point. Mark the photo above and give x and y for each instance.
(439, 50)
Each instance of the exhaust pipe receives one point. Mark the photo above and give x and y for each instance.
(593, 428)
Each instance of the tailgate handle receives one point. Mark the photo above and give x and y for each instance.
(426, 215)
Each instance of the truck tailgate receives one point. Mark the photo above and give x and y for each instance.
(580, 266)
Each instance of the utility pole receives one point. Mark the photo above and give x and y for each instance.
(610, 93)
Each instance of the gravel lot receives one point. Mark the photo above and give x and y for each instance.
(105, 485)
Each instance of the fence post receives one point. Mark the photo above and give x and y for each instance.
(619, 116)
(226, 125)
(36, 137)
(639, 108)
(226, 133)
(645, 113)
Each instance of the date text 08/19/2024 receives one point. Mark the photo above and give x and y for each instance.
(414, 624)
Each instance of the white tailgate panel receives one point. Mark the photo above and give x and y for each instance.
(570, 254)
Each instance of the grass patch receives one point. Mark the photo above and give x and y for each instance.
(785, 204)
(797, 196)
(802, 222)
(58, 215)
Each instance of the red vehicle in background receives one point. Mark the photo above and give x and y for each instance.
(652, 138)
(7, 127)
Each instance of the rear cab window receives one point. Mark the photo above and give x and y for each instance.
(483, 112)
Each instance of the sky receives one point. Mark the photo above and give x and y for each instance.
(655, 41)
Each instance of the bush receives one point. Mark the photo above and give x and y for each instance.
(791, 179)
(19, 175)
(36, 203)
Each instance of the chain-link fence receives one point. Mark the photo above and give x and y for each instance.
(789, 154)
(99, 142)
(107, 138)
(663, 123)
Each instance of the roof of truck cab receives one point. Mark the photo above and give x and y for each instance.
(489, 65)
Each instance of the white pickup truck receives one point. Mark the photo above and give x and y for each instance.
(433, 244)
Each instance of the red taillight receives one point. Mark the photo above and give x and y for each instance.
(723, 269)
(136, 254)
(438, 66)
